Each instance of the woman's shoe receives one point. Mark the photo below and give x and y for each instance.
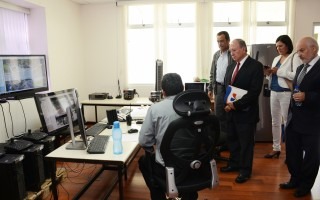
(273, 154)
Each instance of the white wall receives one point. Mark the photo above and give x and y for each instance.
(99, 29)
(65, 45)
(307, 12)
(17, 118)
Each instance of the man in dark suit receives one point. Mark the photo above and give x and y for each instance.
(242, 114)
(303, 125)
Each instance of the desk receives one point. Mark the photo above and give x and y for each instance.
(137, 101)
(108, 160)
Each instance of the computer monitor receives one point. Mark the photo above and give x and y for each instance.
(21, 76)
(195, 86)
(52, 109)
(77, 145)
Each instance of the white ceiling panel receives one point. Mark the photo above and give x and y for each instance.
(92, 1)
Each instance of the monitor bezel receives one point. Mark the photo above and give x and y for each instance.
(81, 124)
(38, 96)
(189, 86)
(26, 93)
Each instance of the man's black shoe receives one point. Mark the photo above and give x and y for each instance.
(301, 192)
(288, 185)
(242, 178)
(229, 169)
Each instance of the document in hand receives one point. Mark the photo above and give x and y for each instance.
(234, 93)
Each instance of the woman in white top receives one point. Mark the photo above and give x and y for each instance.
(280, 75)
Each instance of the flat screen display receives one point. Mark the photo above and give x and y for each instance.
(52, 109)
(195, 86)
(22, 75)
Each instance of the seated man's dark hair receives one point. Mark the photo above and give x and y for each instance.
(172, 84)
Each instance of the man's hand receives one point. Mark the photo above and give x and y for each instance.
(229, 107)
(299, 96)
(210, 95)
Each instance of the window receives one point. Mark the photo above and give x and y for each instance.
(14, 28)
(178, 33)
(270, 17)
(230, 21)
(180, 49)
(252, 21)
(141, 44)
(165, 32)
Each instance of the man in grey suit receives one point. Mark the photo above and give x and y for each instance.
(243, 113)
(303, 124)
(221, 59)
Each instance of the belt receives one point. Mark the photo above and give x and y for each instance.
(281, 91)
(219, 83)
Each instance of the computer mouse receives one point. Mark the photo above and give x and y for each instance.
(109, 126)
(139, 122)
(133, 130)
(109, 97)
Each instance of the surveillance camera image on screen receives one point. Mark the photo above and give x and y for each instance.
(59, 111)
(52, 107)
(21, 76)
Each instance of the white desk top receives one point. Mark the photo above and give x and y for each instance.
(136, 101)
(129, 142)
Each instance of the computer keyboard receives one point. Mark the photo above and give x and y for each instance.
(98, 144)
(17, 145)
(34, 136)
(96, 129)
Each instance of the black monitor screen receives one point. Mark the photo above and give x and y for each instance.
(195, 86)
(52, 109)
(22, 75)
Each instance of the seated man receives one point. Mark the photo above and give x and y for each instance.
(158, 117)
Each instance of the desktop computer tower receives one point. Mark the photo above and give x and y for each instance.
(12, 184)
(48, 146)
(33, 167)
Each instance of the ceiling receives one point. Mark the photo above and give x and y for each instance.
(92, 1)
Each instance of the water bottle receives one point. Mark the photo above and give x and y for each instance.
(117, 138)
(296, 90)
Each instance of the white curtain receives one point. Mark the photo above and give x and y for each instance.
(13, 32)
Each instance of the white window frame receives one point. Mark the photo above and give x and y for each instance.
(160, 28)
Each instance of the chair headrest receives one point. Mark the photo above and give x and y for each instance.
(191, 103)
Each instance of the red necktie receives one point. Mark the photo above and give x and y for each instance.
(235, 73)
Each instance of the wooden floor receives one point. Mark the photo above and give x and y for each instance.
(263, 185)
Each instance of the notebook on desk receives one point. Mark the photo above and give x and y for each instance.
(136, 112)
(139, 112)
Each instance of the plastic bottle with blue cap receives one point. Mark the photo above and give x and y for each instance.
(296, 90)
(117, 138)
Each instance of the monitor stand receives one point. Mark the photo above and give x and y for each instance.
(74, 145)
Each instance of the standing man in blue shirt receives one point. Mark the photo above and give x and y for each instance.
(221, 60)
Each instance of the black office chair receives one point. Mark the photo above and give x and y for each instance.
(187, 146)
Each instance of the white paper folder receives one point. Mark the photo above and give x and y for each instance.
(234, 93)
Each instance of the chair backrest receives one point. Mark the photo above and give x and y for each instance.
(188, 144)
